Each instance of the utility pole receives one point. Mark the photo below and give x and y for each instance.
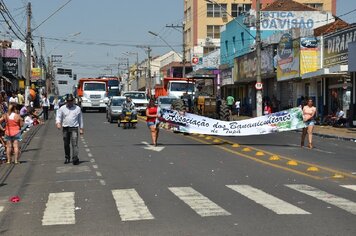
(42, 64)
(28, 54)
(183, 46)
(258, 54)
(149, 71)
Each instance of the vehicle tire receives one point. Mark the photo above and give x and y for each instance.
(178, 105)
(224, 111)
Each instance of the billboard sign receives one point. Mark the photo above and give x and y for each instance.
(10, 66)
(309, 55)
(287, 58)
(286, 20)
(336, 45)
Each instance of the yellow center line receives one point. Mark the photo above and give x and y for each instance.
(256, 159)
(301, 162)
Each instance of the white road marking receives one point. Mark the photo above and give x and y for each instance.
(85, 145)
(130, 205)
(102, 182)
(352, 187)
(199, 203)
(72, 169)
(342, 203)
(92, 160)
(90, 155)
(99, 174)
(60, 209)
(152, 148)
(266, 200)
(87, 150)
(95, 166)
(1, 208)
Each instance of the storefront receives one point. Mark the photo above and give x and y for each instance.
(352, 70)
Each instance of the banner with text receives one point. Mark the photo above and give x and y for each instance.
(287, 120)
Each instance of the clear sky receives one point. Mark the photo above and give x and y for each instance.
(112, 22)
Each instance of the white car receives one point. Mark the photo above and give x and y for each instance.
(165, 102)
(139, 98)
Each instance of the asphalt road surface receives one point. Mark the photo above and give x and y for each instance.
(188, 185)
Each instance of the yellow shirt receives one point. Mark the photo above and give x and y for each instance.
(20, 99)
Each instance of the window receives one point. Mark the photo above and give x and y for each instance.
(62, 82)
(238, 9)
(213, 31)
(94, 87)
(117, 102)
(318, 6)
(208, 50)
(216, 10)
(188, 14)
(182, 87)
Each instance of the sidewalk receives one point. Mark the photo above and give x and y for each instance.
(342, 133)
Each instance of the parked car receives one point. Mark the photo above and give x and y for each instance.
(114, 108)
(165, 102)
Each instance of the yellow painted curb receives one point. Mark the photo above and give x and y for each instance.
(260, 153)
(338, 176)
(246, 149)
(208, 138)
(292, 163)
(313, 169)
(274, 158)
(216, 141)
(236, 145)
(201, 136)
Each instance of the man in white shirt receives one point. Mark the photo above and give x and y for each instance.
(237, 106)
(13, 100)
(70, 118)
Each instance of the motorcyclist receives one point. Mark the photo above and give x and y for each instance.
(129, 106)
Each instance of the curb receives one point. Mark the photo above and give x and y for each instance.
(331, 136)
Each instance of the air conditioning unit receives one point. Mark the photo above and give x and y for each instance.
(208, 40)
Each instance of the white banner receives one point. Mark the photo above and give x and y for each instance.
(287, 120)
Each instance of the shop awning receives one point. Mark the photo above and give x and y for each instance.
(6, 79)
(327, 72)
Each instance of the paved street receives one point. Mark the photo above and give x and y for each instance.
(188, 185)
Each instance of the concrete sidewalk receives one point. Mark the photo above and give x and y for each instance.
(342, 133)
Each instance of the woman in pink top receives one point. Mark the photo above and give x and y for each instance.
(309, 112)
(12, 132)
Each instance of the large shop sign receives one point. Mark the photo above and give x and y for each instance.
(287, 58)
(247, 63)
(10, 66)
(285, 20)
(336, 47)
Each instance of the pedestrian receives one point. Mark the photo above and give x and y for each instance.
(267, 109)
(230, 100)
(309, 112)
(152, 120)
(45, 106)
(20, 99)
(13, 99)
(237, 107)
(70, 118)
(55, 104)
(12, 132)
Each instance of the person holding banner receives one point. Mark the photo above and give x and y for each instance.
(309, 112)
(152, 120)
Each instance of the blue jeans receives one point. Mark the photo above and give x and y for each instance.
(70, 136)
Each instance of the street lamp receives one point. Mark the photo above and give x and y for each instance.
(181, 57)
(258, 50)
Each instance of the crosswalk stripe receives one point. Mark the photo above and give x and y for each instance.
(270, 202)
(59, 209)
(342, 203)
(130, 205)
(1, 208)
(352, 187)
(200, 204)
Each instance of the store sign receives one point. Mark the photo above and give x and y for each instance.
(35, 73)
(336, 47)
(247, 65)
(352, 57)
(226, 77)
(10, 66)
(309, 55)
(287, 58)
(285, 20)
(211, 61)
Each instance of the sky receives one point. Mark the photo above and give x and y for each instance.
(113, 22)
